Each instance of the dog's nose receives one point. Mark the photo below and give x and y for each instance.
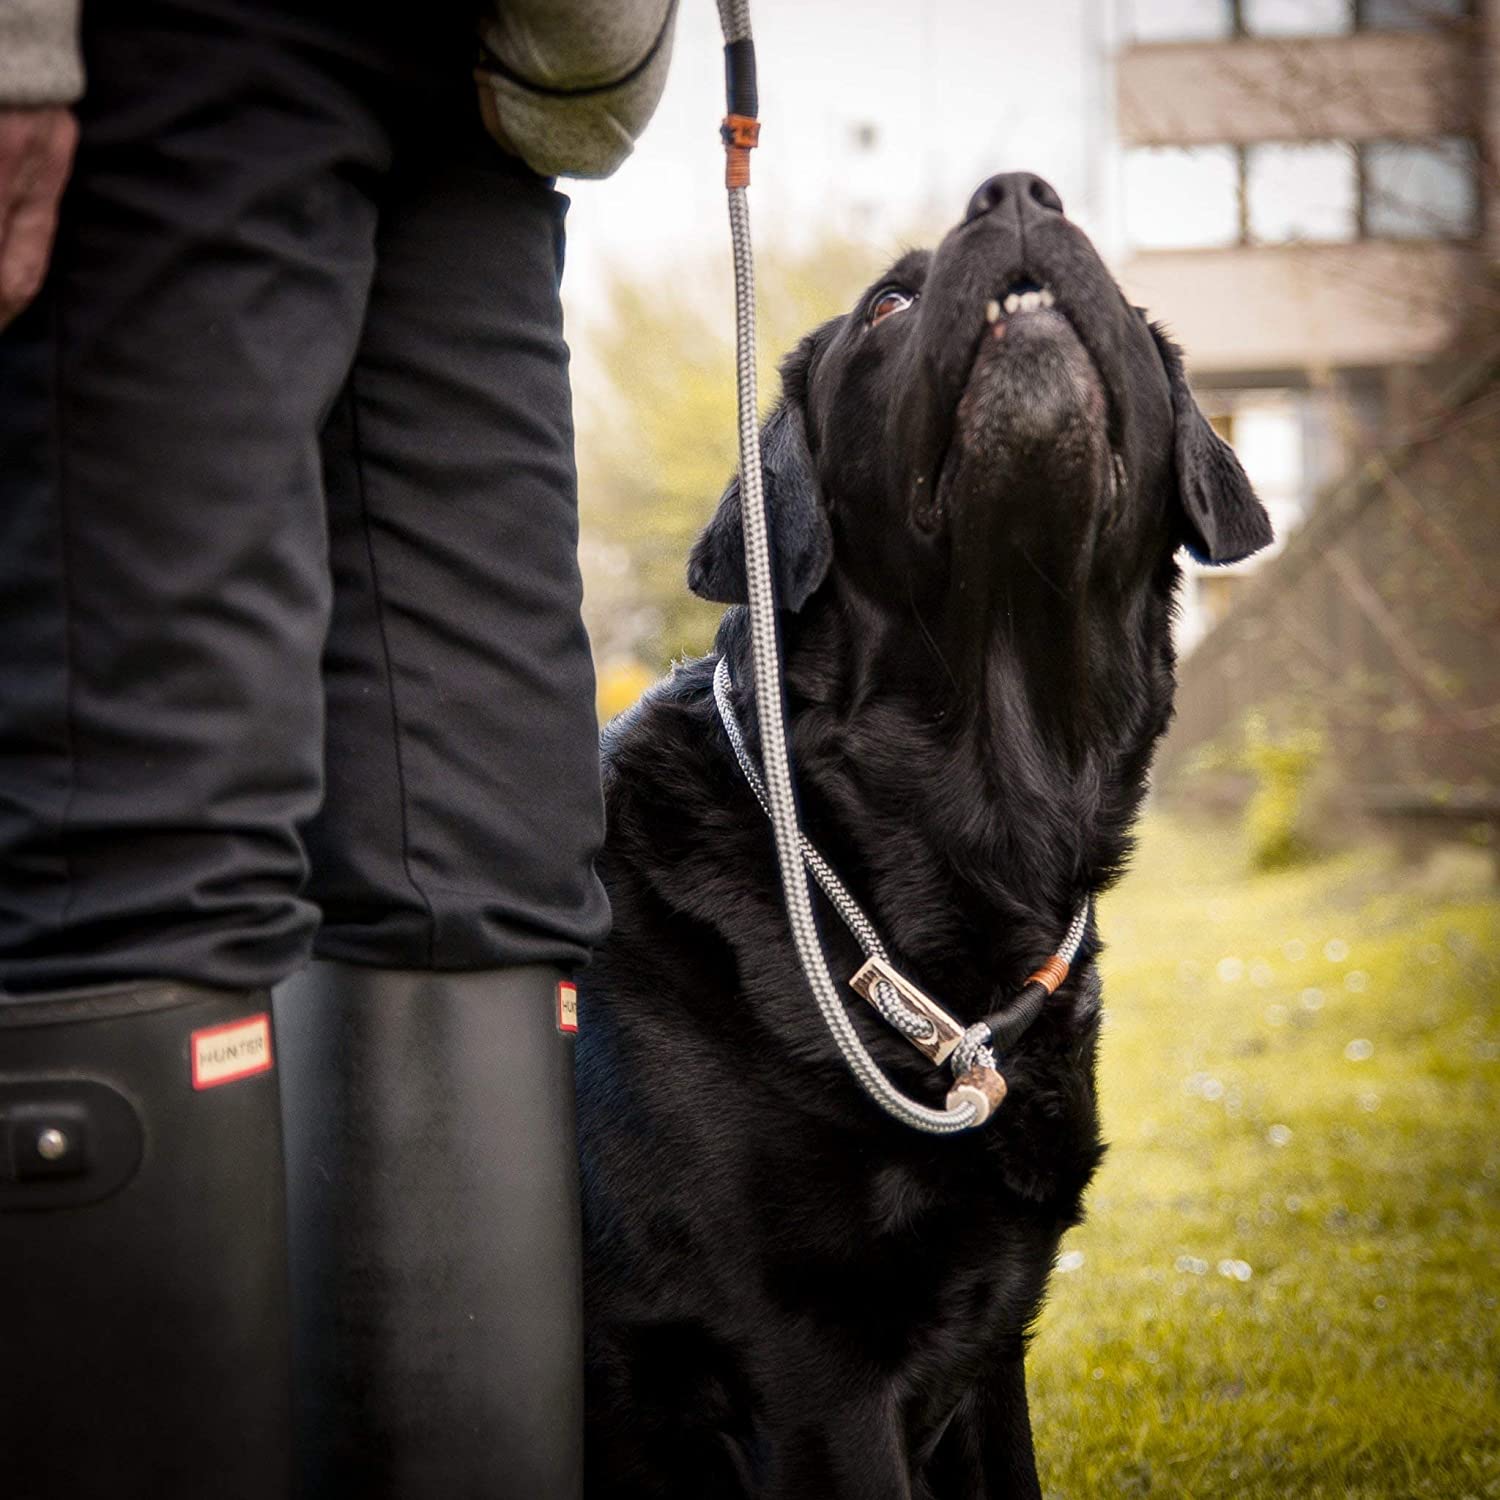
(1024, 191)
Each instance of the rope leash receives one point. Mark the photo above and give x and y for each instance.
(883, 996)
(978, 1087)
(921, 1020)
(739, 70)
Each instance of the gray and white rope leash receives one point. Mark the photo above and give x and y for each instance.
(734, 16)
(966, 1105)
(885, 998)
(974, 1047)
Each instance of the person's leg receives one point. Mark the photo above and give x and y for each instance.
(165, 596)
(463, 808)
(163, 557)
(436, 1269)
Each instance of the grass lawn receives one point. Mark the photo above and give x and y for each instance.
(1288, 1284)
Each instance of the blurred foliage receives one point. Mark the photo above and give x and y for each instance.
(1286, 1286)
(657, 441)
(1282, 766)
(1377, 622)
(621, 682)
(1279, 760)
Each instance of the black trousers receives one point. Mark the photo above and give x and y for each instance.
(290, 647)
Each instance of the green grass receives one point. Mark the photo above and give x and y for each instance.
(1288, 1282)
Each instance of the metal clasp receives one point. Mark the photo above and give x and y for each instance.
(946, 1031)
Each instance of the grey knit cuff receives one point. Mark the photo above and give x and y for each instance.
(39, 60)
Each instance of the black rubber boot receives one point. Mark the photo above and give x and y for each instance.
(144, 1339)
(433, 1202)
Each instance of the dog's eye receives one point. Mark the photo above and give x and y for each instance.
(888, 300)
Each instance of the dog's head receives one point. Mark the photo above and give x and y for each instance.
(991, 408)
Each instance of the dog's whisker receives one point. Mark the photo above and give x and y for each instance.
(926, 634)
(1041, 572)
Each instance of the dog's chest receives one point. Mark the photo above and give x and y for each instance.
(908, 1259)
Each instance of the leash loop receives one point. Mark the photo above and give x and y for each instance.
(920, 1019)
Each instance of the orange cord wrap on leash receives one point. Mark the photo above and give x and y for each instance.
(1051, 974)
(741, 134)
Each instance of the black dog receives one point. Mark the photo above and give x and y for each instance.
(978, 478)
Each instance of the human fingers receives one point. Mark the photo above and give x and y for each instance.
(36, 154)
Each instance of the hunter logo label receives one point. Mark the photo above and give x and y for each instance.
(222, 1054)
(567, 1007)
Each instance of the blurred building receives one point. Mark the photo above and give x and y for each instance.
(1307, 205)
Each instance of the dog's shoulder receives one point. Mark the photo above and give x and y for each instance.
(664, 751)
(681, 823)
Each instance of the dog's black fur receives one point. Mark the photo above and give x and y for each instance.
(787, 1293)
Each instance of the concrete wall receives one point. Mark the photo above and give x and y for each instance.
(1304, 307)
(1367, 86)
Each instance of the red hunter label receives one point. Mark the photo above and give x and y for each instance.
(222, 1054)
(567, 1006)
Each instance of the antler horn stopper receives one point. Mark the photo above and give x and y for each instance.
(984, 1088)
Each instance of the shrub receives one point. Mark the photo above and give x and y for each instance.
(1282, 766)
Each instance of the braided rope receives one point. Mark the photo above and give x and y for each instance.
(766, 656)
(734, 16)
(795, 855)
(978, 1044)
(890, 1005)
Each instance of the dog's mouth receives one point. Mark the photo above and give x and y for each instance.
(1034, 404)
(1023, 298)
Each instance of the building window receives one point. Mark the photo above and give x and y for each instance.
(1302, 192)
(1209, 197)
(1419, 191)
(1182, 198)
(1217, 20)
(1180, 20)
(1295, 17)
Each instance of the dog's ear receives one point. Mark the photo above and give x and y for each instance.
(1222, 517)
(801, 538)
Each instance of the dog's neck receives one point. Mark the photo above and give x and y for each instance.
(1007, 773)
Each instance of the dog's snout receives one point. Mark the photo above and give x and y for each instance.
(1024, 192)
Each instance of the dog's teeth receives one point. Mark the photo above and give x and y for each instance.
(1013, 303)
(1047, 298)
(1030, 301)
(992, 311)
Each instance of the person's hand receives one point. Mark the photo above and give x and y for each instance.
(36, 153)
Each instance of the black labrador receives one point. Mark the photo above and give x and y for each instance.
(978, 478)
